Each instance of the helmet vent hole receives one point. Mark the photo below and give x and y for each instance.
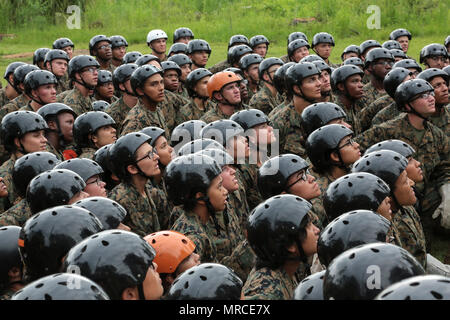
(54, 213)
(186, 285)
(83, 249)
(203, 278)
(105, 243)
(352, 256)
(266, 206)
(345, 222)
(184, 241)
(414, 284)
(310, 289)
(375, 250)
(437, 295)
(47, 297)
(40, 285)
(331, 230)
(350, 184)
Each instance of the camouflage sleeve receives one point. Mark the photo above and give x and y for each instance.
(441, 173)
(131, 123)
(162, 207)
(371, 136)
(241, 260)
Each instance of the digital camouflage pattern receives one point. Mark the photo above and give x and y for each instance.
(214, 113)
(87, 153)
(14, 105)
(190, 111)
(118, 111)
(163, 206)
(17, 215)
(3, 98)
(371, 94)
(6, 170)
(141, 215)
(387, 113)
(79, 103)
(369, 112)
(247, 174)
(170, 107)
(353, 113)
(219, 67)
(442, 120)
(264, 100)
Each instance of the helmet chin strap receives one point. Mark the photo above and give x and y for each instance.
(212, 213)
(303, 96)
(84, 84)
(413, 111)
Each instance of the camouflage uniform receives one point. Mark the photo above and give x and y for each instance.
(62, 85)
(394, 235)
(319, 211)
(182, 91)
(87, 153)
(7, 295)
(442, 120)
(3, 98)
(118, 111)
(353, 113)
(432, 151)
(369, 112)
(387, 113)
(142, 217)
(264, 100)
(252, 93)
(285, 58)
(214, 113)
(247, 174)
(190, 111)
(60, 97)
(27, 107)
(238, 202)
(17, 215)
(6, 171)
(366, 78)
(268, 284)
(141, 117)
(323, 180)
(371, 94)
(79, 103)
(170, 108)
(291, 140)
(111, 67)
(411, 233)
(163, 206)
(219, 66)
(13, 105)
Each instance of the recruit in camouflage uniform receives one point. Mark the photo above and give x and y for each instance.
(353, 113)
(247, 174)
(141, 117)
(118, 111)
(27, 107)
(62, 85)
(411, 233)
(6, 171)
(387, 113)
(264, 100)
(17, 215)
(141, 211)
(369, 112)
(60, 97)
(215, 113)
(226, 248)
(170, 107)
(163, 206)
(14, 105)
(394, 235)
(190, 111)
(79, 103)
(238, 202)
(219, 67)
(371, 94)
(3, 98)
(442, 120)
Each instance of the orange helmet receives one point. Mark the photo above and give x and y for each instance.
(171, 249)
(221, 79)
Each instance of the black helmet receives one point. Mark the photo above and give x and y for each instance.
(275, 224)
(236, 71)
(9, 251)
(38, 78)
(104, 76)
(339, 75)
(355, 191)
(20, 73)
(109, 212)
(39, 55)
(51, 110)
(322, 37)
(368, 44)
(122, 152)
(118, 41)
(351, 275)
(141, 74)
(393, 79)
(311, 58)
(100, 105)
(61, 43)
(434, 49)
(310, 288)
(88, 123)
(235, 53)
(407, 63)
(295, 36)
(321, 65)
(79, 62)
(96, 39)
(391, 44)
(187, 175)
(266, 64)
(207, 281)
(399, 33)
(221, 131)
(279, 77)
(154, 133)
(181, 33)
(186, 132)
(426, 287)
(170, 65)
(396, 53)
(85, 168)
(195, 76)
(407, 90)
(114, 259)
(257, 40)
(319, 114)
(354, 61)
(145, 59)
(61, 286)
(430, 73)
(274, 174)
(56, 54)
(394, 145)
(350, 230)
(46, 237)
(248, 60)
(351, 48)
(377, 53)
(29, 166)
(298, 72)
(53, 188)
(447, 41)
(178, 48)
(198, 45)
(131, 57)
(123, 73)
(249, 118)
(294, 45)
(322, 142)
(199, 145)
(11, 68)
(101, 156)
(180, 59)
(238, 39)
(385, 164)
(222, 157)
(17, 124)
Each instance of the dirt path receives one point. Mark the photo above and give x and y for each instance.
(30, 54)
